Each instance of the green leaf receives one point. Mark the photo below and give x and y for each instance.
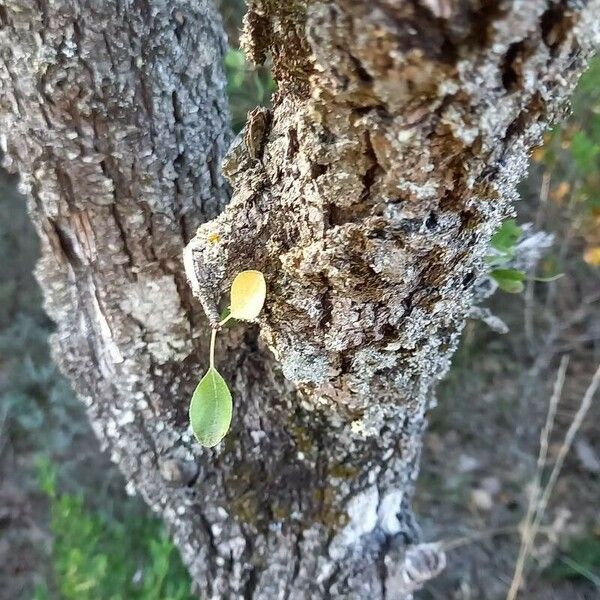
(211, 409)
(505, 239)
(509, 280)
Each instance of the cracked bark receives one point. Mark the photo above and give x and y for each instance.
(367, 196)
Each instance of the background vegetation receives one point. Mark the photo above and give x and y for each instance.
(67, 530)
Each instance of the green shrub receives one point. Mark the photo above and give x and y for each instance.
(96, 557)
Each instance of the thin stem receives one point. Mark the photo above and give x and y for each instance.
(213, 337)
(529, 296)
(229, 316)
(527, 533)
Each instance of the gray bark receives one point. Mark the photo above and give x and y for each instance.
(114, 114)
(367, 196)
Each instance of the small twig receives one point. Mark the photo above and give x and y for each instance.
(527, 532)
(577, 341)
(567, 238)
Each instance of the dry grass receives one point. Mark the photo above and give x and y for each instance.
(539, 498)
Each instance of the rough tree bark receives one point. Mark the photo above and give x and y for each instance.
(367, 196)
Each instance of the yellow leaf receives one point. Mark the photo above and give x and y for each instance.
(592, 256)
(248, 292)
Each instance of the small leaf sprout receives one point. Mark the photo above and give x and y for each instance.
(504, 245)
(211, 407)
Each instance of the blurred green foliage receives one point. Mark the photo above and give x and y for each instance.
(97, 557)
(579, 560)
(36, 401)
(571, 153)
(504, 243)
(247, 87)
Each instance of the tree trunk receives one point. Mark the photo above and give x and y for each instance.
(367, 196)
